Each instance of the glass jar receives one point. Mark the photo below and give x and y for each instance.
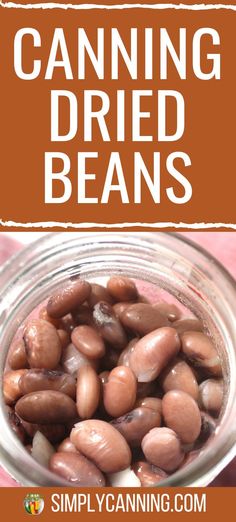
(168, 260)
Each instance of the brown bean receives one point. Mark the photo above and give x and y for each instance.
(88, 341)
(11, 388)
(88, 392)
(72, 360)
(67, 299)
(122, 288)
(98, 293)
(67, 446)
(17, 356)
(119, 393)
(153, 352)
(169, 310)
(46, 407)
(120, 307)
(135, 424)
(77, 469)
(200, 351)
(109, 325)
(142, 318)
(181, 414)
(64, 338)
(37, 380)
(179, 376)
(161, 447)
(42, 344)
(103, 444)
(148, 474)
(53, 432)
(125, 354)
(68, 323)
(43, 314)
(152, 403)
(16, 424)
(103, 376)
(208, 426)
(211, 396)
(188, 324)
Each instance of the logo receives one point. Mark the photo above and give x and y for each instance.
(33, 504)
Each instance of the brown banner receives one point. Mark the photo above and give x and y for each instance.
(207, 504)
(185, 181)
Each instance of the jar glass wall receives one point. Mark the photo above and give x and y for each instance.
(167, 260)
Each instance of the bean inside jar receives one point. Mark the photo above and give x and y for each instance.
(106, 387)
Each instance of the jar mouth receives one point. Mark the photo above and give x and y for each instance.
(169, 260)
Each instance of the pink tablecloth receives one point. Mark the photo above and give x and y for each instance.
(223, 246)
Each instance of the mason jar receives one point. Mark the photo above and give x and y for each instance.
(167, 261)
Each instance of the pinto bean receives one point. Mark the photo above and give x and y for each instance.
(99, 293)
(53, 432)
(122, 288)
(42, 344)
(153, 352)
(46, 407)
(68, 323)
(152, 403)
(72, 360)
(109, 325)
(187, 324)
(88, 341)
(64, 338)
(37, 380)
(119, 393)
(67, 446)
(201, 352)
(120, 307)
(11, 388)
(211, 395)
(161, 447)
(181, 414)
(43, 314)
(142, 318)
(77, 469)
(169, 310)
(103, 376)
(103, 444)
(135, 424)
(148, 474)
(125, 354)
(17, 356)
(88, 392)
(179, 376)
(67, 299)
(189, 457)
